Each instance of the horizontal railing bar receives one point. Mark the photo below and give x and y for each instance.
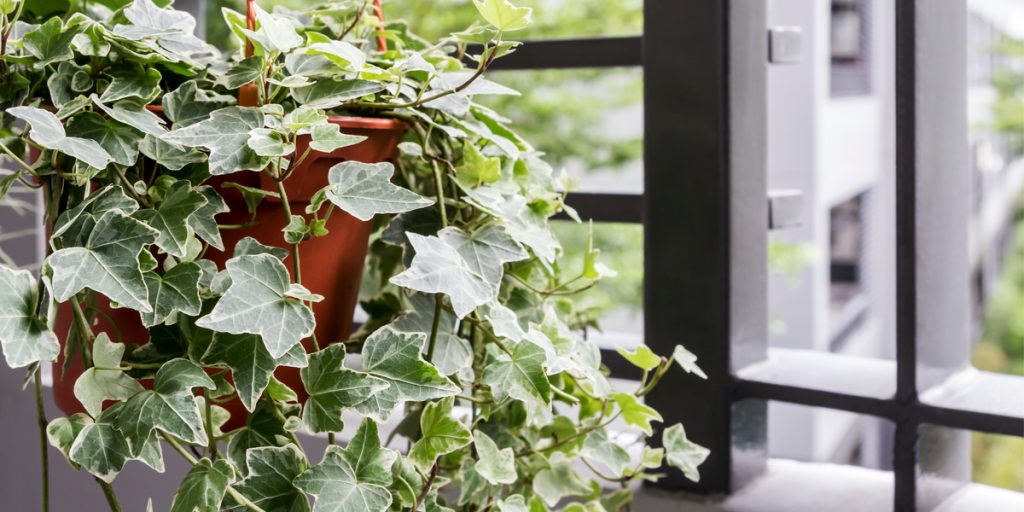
(594, 52)
(602, 207)
(884, 408)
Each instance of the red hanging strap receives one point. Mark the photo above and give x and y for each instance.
(250, 23)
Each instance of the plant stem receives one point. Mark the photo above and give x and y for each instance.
(439, 184)
(237, 496)
(212, 445)
(108, 492)
(41, 419)
(426, 487)
(434, 328)
(296, 265)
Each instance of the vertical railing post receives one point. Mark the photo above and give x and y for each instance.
(705, 212)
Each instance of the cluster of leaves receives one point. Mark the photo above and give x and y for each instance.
(472, 333)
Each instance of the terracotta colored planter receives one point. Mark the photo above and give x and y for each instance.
(331, 266)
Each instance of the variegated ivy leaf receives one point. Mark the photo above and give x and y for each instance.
(242, 72)
(364, 190)
(47, 131)
(203, 487)
(558, 481)
(451, 352)
(62, 432)
(267, 142)
(169, 32)
(328, 93)
(346, 56)
(682, 453)
(687, 361)
(74, 226)
(135, 114)
(172, 157)
(100, 448)
(440, 434)
(275, 34)
(170, 217)
(120, 141)
(60, 83)
(635, 413)
(496, 466)
(371, 462)
(338, 488)
(395, 357)
(257, 303)
(107, 263)
(226, 134)
(519, 375)
(597, 448)
(476, 168)
(49, 43)
(333, 388)
(204, 221)
(524, 225)
(327, 137)
(251, 364)
(437, 267)
(105, 380)
(25, 338)
(132, 80)
(175, 291)
(269, 484)
(188, 104)
(486, 250)
(169, 406)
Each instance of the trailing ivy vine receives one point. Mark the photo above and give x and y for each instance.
(472, 358)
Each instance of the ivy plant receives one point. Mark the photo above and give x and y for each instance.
(470, 386)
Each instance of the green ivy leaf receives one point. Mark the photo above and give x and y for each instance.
(243, 72)
(49, 43)
(267, 142)
(168, 32)
(47, 131)
(365, 190)
(485, 250)
(257, 303)
(169, 406)
(269, 485)
(642, 357)
(108, 263)
(476, 168)
(558, 481)
(328, 93)
(24, 338)
(635, 413)
(682, 453)
(203, 488)
(132, 80)
(74, 226)
(504, 16)
(519, 375)
(440, 434)
(104, 380)
(226, 134)
(133, 113)
(333, 388)
(177, 290)
(170, 217)
(188, 104)
(327, 138)
(371, 463)
(337, 487)
(524, 225)
(496, 466)
(120, 141)
(395, 357)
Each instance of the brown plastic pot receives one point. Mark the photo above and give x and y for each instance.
(331, 265)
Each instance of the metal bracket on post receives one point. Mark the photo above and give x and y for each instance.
(785, 209)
